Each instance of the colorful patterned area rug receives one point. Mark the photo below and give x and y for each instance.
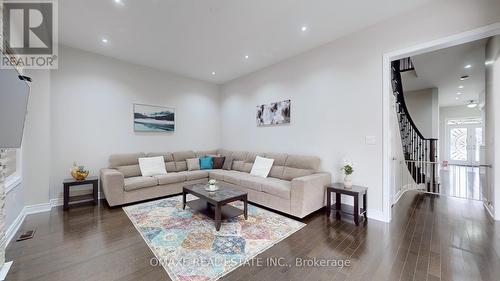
(187, 245)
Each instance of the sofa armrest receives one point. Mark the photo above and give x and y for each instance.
(308, 193)
(112, 182)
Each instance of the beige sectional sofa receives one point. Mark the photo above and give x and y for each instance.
(295, 185)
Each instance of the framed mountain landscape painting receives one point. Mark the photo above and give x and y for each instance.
(151, 118)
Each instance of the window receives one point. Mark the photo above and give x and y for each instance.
(10, 159)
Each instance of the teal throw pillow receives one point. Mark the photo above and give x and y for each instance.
(206, 163)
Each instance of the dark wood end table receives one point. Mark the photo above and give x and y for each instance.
(355, 192)
(94, 181)
(214, 204)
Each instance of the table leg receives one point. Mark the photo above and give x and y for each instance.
(66, 197)
(338, 205)
(218, 219)
(328, 203)
(245, 208)
(95, 188)
(183, 200)
(356, 210)
(364, 206)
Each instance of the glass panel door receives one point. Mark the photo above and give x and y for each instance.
(464, 141)
(458, 145)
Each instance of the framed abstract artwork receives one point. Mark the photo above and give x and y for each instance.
(275, 113)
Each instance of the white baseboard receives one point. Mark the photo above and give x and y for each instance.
(14, 227)
(4, 270)
(377, 215)
(30, 210)
(37, 208)
(27, 210)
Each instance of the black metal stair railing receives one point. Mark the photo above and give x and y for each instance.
(420, 153)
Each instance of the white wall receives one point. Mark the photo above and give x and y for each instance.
(336, 92)
(91, 112)
(493, 119)
(14, 204)
(36, 156)
(423, 106)
(451, 112)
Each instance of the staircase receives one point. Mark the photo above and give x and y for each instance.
(420, 153)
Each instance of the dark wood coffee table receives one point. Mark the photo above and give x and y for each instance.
(214, 204)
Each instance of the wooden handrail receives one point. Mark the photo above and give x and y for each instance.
(401, 99)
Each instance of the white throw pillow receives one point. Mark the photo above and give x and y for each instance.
(193, 164)
(261, 167)
(152, 166)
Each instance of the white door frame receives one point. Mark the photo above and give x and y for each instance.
(449, 41)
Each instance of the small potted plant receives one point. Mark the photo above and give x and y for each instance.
(347, 169)
(212, 185)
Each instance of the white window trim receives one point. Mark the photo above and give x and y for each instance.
(14, 180)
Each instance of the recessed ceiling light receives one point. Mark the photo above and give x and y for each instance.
(118, 2)
(472, 104)
(461, 86)
(104, 40)
(468, 66)
(465, 77)
(488, 62)
(213, 72)
(457, 98)
(459, 93)
(303, 28)
(246, 57)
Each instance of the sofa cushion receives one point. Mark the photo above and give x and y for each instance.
(252, 182)
(238, 165)
(170, 178)
(206, 163)
(218, 174)
(277, 187)
(134, 183)
(239, 155)
(195, 175)
(180, 159)
(299, 166)
(261, 167)
(278, 165)
(130, 170)
(234, 177)
(169, 160)
(205, 153)
(228, 163)
(152, 166)
(167, 156)
(224, 152)
(193, 164)
(218, 162)
(117, 160)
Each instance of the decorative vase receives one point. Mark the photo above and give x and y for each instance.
(347, 181)
(79, 175)
(212, 187)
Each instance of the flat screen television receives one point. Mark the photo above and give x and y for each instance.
(14, 93)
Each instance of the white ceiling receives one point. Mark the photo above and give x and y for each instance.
(196, 37)
(442, 69)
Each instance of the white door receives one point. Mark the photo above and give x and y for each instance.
(464, 140)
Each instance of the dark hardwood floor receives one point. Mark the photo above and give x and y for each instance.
(430, 238)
